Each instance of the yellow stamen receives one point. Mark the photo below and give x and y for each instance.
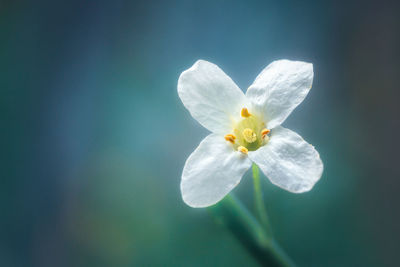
(230, 138)
(264, 132)
(245, 113)
(249, 135)
(243, 149)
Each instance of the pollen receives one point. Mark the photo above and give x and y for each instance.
(230, 138)
(245, 113)
(264, 133)
(243, 149)
(249, 135)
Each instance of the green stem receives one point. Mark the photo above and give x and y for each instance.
(249, 232)
(259, 202)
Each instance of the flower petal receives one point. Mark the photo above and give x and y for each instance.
(212, 171)
(211, 97)
(280, 88)
(289, 161)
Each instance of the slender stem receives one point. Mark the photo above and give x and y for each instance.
(259, 202)
(249, 232)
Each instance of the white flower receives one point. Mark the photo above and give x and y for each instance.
(246, 129)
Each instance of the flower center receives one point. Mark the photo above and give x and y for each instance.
(249, 133)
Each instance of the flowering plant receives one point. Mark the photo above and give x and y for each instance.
(246, 129)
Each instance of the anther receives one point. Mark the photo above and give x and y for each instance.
(264, 132)
(249, 135)
(230, 138)
(243, 149)
(245, 113)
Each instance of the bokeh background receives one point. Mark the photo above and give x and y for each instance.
(94, 136)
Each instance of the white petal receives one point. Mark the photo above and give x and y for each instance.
(212, 171)
(211, 97)
(289, 161)
(279, 88)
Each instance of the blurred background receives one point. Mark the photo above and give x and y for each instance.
(94, 136)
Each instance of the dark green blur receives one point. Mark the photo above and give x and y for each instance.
(94, 136)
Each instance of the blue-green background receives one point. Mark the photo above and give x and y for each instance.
(94, 136)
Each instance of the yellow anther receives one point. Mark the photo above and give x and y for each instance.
(249, 135)
(243, 149)
(245, 113)
(264, 132)
(230, 137)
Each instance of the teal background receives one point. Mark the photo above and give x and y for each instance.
(94, 136)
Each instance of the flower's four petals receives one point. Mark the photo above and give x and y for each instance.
(289, 161)
(279, 89)
(211, 172)
(211, 96)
